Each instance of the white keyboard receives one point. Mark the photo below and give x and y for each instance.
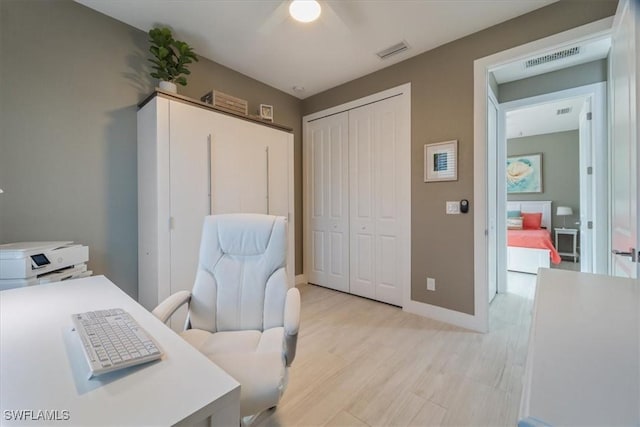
(112, 340)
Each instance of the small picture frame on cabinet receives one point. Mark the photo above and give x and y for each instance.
(266, 112)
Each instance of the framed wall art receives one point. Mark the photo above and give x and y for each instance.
(524, 173)
(441, 161)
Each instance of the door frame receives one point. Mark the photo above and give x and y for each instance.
(598, 159)
(404, 176)
(493, 168)
(482, 68)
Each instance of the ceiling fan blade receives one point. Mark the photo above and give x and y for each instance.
(341, 13)
(279, 15)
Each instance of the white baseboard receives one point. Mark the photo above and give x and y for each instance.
(445, 315)
(301, 279)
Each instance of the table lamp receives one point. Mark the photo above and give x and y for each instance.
(564, 211)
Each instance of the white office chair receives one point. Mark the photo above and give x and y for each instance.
(242, 314)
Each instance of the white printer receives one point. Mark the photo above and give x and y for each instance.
(32, 263)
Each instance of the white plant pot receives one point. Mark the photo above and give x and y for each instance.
(168, 86)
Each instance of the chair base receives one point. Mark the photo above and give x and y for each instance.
(250, 419)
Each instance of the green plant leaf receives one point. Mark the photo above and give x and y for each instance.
(163, 52)
(170, 56)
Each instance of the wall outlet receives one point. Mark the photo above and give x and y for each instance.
(453, 208)
(431, 284)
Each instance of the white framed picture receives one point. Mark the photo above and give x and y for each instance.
(266, 112)
(441, 161)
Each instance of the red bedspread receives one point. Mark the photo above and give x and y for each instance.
(539, 239)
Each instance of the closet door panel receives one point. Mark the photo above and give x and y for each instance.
(318, 219)
(362, 175)
(374, 168)
(387, 132)
(318, 266)
(337, 202)
(362, 271)
(189, 195)
(328, 218)
(336, 252)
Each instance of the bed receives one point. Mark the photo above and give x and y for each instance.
(528, 250)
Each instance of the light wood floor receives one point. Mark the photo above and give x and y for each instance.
(362, 363)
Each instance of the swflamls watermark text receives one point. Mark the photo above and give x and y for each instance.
(36, 415)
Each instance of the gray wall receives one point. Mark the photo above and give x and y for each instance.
(560, 170)
(579, 75)
(442, 109)
(70, 82)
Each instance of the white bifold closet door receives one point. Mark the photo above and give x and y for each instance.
(356, 196)
(327, 164)
(374, 162)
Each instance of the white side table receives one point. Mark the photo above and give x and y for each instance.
(574, 238)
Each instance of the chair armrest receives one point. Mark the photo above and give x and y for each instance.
(291, 324)
(292, 312)
(166, 308)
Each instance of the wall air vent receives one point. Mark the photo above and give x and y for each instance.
(555, 56)
(565, 110)
(393, 50)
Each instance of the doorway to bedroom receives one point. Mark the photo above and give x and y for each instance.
(550, 161)
(543, 190)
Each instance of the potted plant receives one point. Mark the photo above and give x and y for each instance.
(170, 59)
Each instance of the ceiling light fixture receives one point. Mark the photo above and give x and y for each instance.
(305, 10)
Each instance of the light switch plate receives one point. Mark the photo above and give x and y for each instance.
(453, 208)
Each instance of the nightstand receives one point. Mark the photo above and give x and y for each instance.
(574, 237)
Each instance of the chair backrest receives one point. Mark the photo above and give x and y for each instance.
(241, 282)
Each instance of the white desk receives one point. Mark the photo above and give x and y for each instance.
(583, 365)
(41, 369)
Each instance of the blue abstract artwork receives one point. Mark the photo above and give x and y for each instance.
(524, 173)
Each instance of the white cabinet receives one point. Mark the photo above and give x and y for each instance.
(583, 360)
(194, 161)
(357, 182)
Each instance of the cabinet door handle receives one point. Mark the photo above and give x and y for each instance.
(267, 180)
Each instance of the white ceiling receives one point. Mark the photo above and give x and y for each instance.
(542, 119)
(259, 39)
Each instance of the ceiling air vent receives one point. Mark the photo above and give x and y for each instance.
(555, 56)
(565, 110)
(393, 50)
